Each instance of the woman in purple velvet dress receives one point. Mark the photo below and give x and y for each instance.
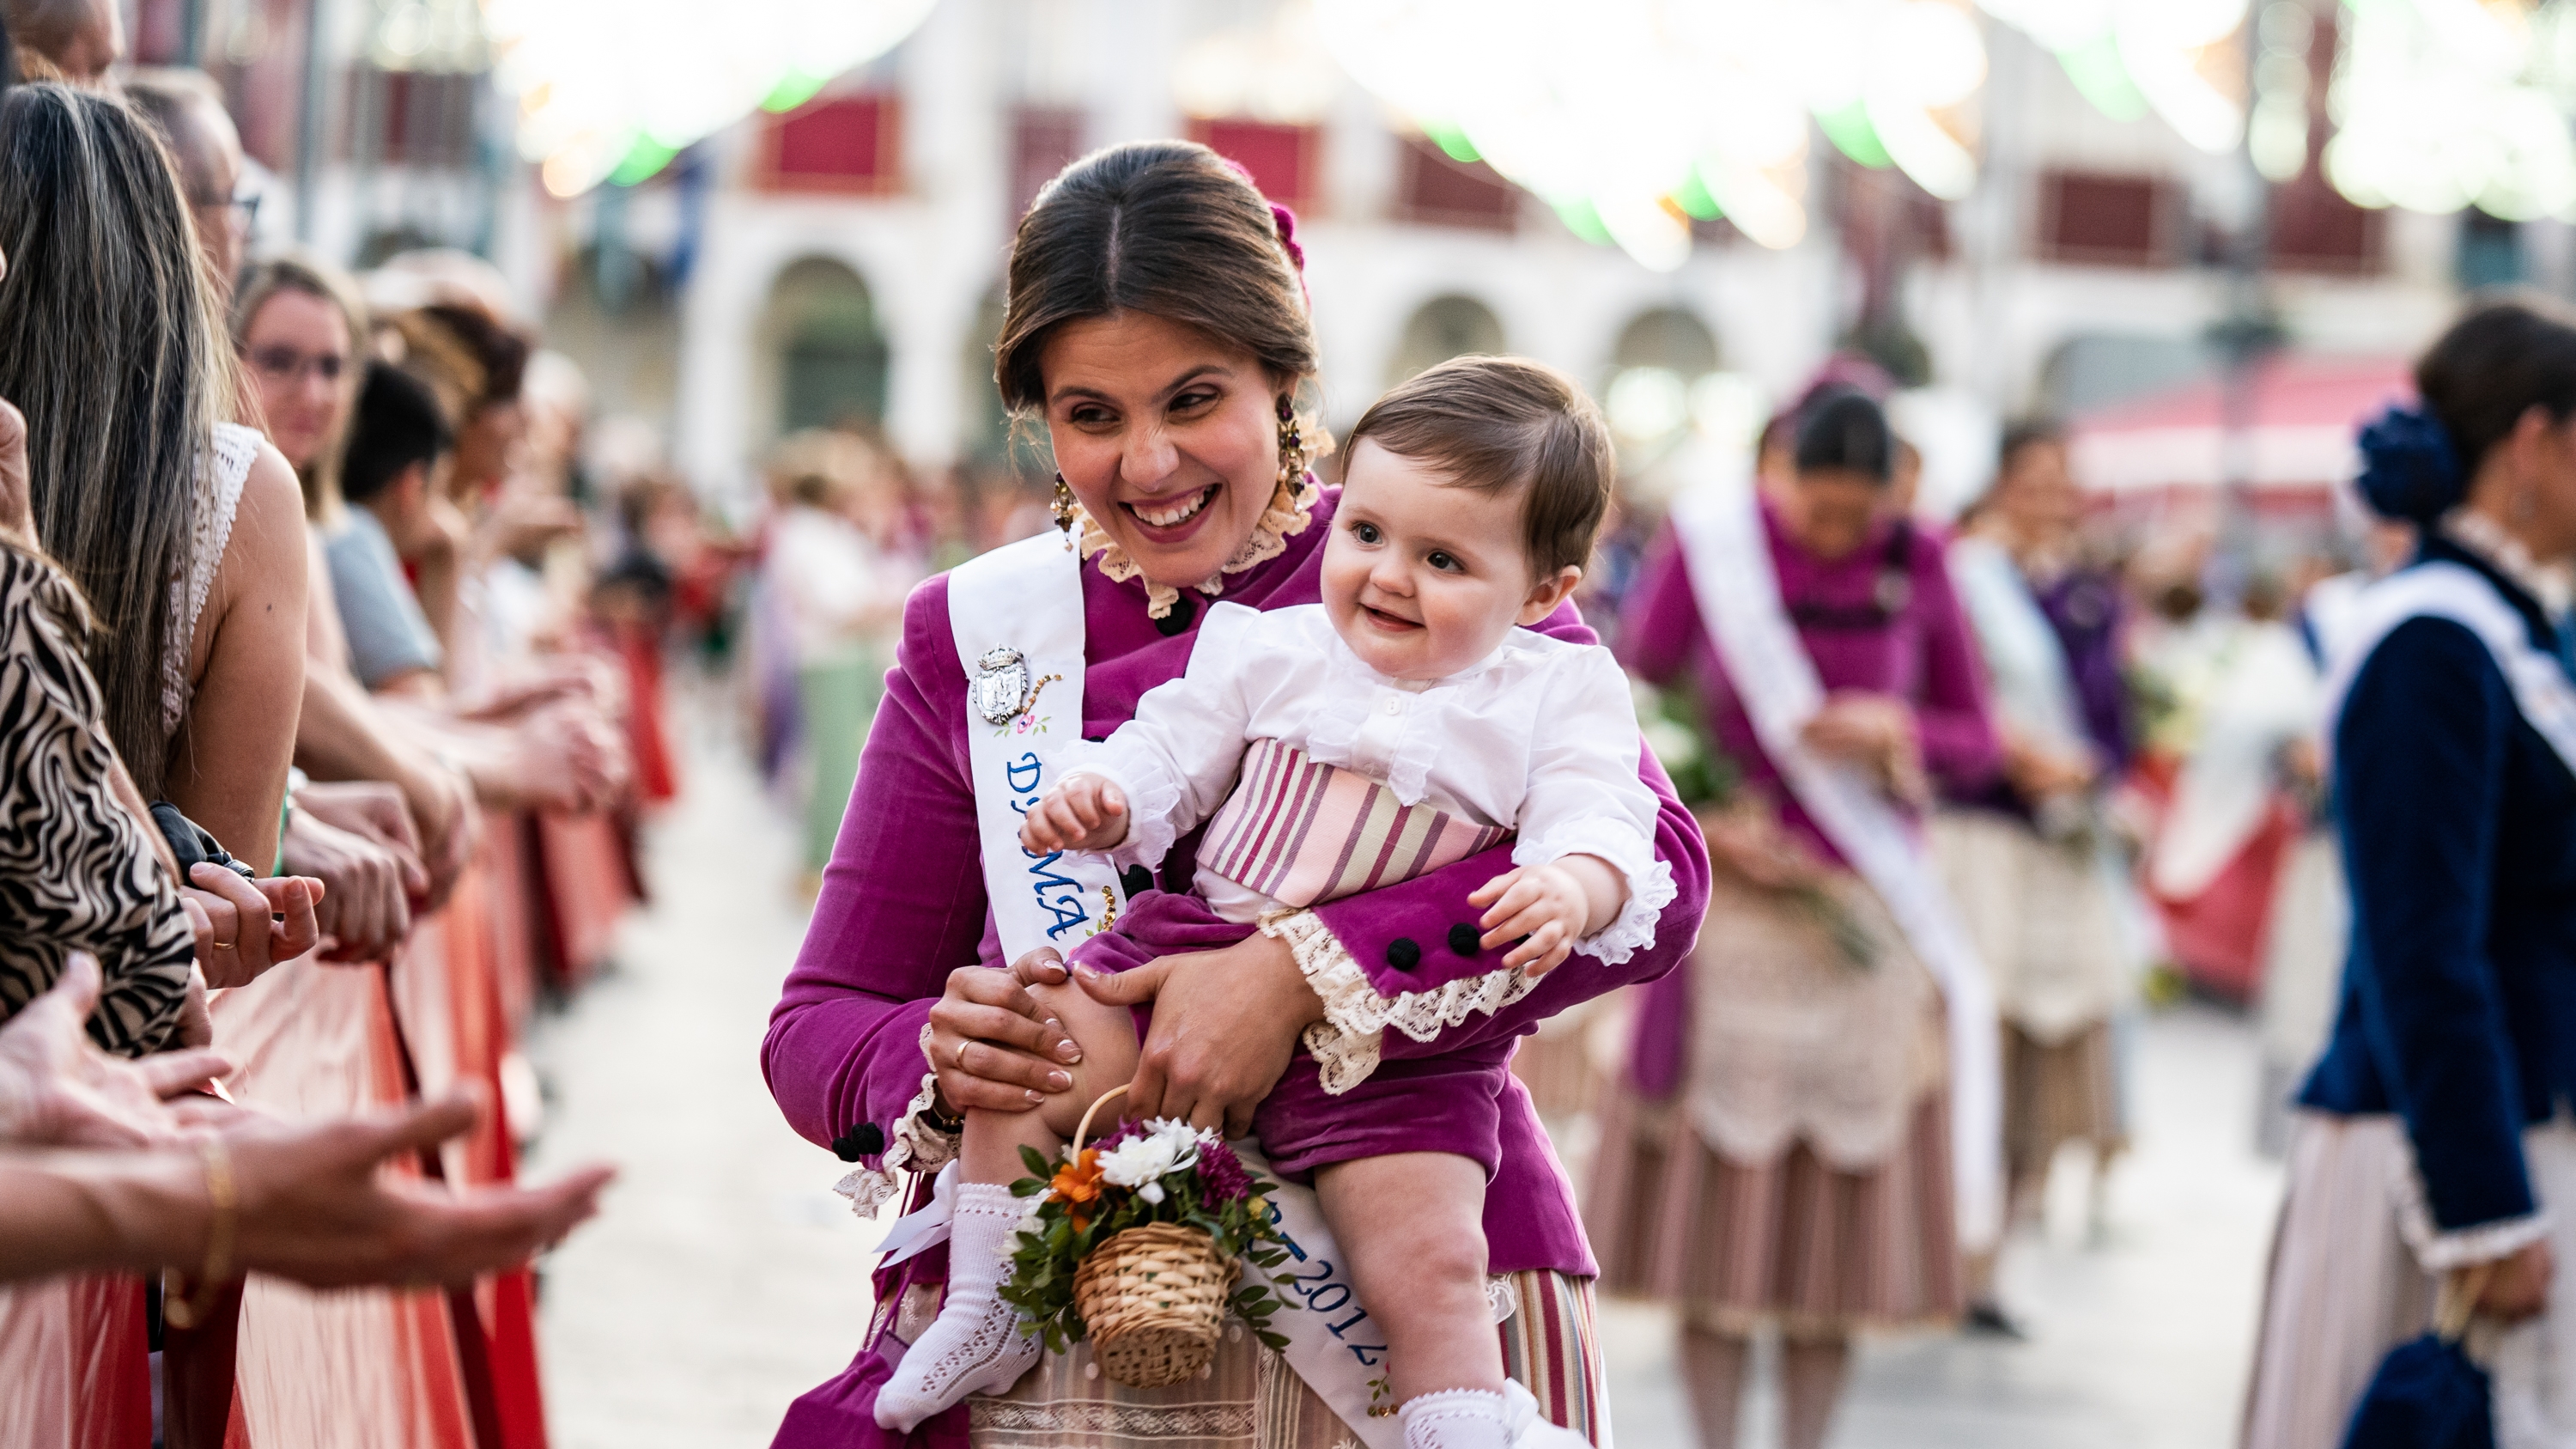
(1157, 324)
(1780, 1153)
(2030, 858)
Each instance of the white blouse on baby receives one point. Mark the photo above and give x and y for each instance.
(1325, 777)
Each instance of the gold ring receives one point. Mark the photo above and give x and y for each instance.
(961, 1054)
(226, 945)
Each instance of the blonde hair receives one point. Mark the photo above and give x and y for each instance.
(298, 272)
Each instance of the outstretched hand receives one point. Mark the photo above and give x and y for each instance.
(1083, 813)
(316, 1208)
(1547, 908)
(57, 1089)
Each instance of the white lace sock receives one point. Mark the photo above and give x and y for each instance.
(975, 1345)
(1475, 1419)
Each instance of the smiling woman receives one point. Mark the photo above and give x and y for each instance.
(1157, 325)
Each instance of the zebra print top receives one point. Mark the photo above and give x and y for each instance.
(77, 871)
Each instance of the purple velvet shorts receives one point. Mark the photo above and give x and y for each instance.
(1443, 1103)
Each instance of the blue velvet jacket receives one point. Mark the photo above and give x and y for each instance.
(2459, 837)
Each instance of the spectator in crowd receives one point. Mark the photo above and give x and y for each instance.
(297, 325)
(188, 110)
(138, 1183)
(76, 40)
(176, 525)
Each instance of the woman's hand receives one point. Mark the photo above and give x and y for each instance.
(57, 1089)
(315, 1207)
(990, 1042)
(237, 939)
(2519, 1287)
(1747, 840)
(1875, 732)
(368, 884)
(1226, 1023)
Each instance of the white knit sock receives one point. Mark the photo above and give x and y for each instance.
(1475, 1419)
(975, 1346)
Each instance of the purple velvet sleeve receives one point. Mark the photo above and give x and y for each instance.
(1950, 716)
(1429, 909)
(1660, 613)
(902, 904)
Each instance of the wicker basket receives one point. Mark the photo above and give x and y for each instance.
(1153, 1297)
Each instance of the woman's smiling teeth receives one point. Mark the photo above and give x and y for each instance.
(1175, 512)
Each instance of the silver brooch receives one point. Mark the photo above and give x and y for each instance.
(1001, 691)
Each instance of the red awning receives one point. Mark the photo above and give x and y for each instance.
(2305, 410)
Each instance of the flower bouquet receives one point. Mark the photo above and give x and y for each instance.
(1137, 1244)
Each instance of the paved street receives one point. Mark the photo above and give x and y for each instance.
(724, 1277)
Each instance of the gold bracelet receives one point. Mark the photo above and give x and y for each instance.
(184, 1311)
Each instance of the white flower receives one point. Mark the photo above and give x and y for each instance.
(1030, 1222)
(1151, 1192)
(1185, 1140)
(1138, 1161)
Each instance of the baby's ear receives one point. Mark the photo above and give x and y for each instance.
(1547, 593)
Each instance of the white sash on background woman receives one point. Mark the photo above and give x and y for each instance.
(1720, 527)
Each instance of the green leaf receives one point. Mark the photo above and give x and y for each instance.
(1037, 1164)
(1027, 1187)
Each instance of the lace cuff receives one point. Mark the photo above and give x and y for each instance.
(1650, 882)
(2439, 1252)
(1347, 1042)
(918, 1146)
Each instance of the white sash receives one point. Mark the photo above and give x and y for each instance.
(1027, 597)
(2441, 589)
(1739, 598)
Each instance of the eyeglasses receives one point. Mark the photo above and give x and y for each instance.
(245, 206)
(285, 364)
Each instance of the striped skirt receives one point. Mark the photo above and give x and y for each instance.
(2345, 1288)
(2056, 1093)
(1793, 1241)
(1249, 1399)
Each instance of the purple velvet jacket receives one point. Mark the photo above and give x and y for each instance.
(2085, 609)
(1924, 654)
(903, 904)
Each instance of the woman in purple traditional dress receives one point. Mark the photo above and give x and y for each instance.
(1158, 326)
(1779, 1153)
(2030, 859)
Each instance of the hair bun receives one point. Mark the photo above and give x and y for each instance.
(2409, 468)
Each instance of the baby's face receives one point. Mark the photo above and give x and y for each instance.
(1422, 578)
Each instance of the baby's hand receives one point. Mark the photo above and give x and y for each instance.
(1553, 905)
(1084, 813)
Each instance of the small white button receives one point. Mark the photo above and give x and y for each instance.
(1394, 705)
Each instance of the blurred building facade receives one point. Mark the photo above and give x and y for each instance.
(841, 262)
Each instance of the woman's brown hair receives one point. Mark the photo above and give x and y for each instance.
(113, 346)
(1166, 228)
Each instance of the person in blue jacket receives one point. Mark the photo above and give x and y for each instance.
(2434, 1145)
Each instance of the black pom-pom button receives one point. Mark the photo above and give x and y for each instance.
(1464, 939)
(865, 1140)
(1403, 953)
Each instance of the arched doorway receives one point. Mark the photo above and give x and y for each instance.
(826, 355)
(1661, 375)
(1440, 329)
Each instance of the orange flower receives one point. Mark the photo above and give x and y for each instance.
(1078, 1181)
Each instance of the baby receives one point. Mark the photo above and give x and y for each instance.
(1408, 721)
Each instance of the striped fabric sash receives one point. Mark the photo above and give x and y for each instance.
(1301, 832)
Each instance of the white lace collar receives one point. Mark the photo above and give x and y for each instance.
(1288, 514)
(2548, 584)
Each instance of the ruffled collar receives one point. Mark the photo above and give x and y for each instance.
(2549, 585)
(1287, 516)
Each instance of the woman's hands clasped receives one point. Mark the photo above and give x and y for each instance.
(1226, 1023)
